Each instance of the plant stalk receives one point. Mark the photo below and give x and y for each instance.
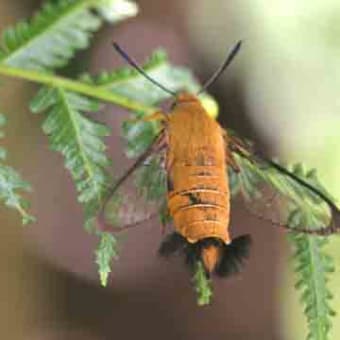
(75, 86)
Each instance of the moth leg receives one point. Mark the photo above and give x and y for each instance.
(156, 116)
(230, 158)
(236, 144)
(166, 164)
(232, 162)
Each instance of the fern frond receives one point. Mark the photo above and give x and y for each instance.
(312, 267)
(52, 36)
(202, 285)
(79, 139)
(10, 183)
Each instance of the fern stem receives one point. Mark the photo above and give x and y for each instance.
(76, 86)
(315, 265)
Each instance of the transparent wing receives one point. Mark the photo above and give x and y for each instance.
(140, 194)
(291, 199)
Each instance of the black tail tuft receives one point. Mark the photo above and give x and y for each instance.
(176, 243)
(172, 243)
(233, 255)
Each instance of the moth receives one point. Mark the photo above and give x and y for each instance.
(192, 165)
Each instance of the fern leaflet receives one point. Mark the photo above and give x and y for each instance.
(313, 267)
(50, 39)
(10, 183)
(79, 139)
(106, 251)
(203, 285)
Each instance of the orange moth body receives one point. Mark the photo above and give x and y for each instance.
(198, 190)
(198, 198)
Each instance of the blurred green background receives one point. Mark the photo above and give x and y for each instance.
(282, 91)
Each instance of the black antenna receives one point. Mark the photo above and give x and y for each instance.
(130, 61)
(225, 64)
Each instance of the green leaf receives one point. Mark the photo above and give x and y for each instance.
(52, 36)
(79, 139)
(202, 285)
(313, 267)
(10, 183)
(106, 251)
(139, 135)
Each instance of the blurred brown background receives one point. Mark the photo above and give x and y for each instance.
(49, 286)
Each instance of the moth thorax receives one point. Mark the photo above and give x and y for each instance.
(210, 256)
